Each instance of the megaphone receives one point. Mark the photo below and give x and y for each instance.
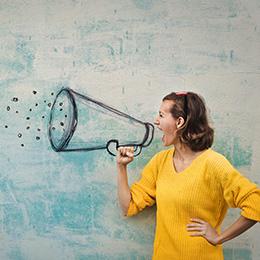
(81, 123)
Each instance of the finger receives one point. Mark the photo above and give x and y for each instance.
(126, 151)
(130, 155)
(194, 225)
(197, 220)
(130, 149)
(198, 234)
(122, 150)
(194, 229)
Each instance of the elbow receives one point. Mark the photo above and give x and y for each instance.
(125, 212)
(125, 205)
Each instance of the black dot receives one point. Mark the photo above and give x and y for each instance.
(34, 92)
(28, 118)
(22, 145)
(61, 104)
(38, 129)
(36, 104)
(43, 116)
(6, 126)
(61, 123)
(8, 108)
(17, 112)
(38, 138)
(61, 109)
(28, 127)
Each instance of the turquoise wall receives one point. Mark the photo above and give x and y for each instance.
(128, 54)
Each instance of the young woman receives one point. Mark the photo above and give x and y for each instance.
(192, 185)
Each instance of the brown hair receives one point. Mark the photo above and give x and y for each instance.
(195, 132)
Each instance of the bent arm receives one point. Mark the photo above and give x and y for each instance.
(204, 229)
(239, 227)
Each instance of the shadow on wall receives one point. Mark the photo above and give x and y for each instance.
(81, 123)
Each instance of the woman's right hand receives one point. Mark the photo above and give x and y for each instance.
(125, 155)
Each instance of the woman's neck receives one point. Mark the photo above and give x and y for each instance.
(185, 154)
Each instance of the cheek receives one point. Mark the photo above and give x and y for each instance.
(173, 130)
(170, 129)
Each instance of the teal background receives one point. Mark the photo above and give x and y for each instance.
(128, 54)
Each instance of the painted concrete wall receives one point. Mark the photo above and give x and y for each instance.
(128, 54)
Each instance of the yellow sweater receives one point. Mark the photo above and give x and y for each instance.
(204, 190)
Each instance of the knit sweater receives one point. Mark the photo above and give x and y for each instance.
(204, 190)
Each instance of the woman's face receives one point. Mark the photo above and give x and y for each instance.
(167, 123)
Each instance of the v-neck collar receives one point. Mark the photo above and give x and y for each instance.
(190, 165)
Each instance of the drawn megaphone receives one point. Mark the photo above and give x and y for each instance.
(81, 123)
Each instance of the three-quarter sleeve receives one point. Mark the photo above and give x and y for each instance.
(143, 192)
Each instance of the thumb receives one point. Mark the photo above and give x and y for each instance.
(129, 154)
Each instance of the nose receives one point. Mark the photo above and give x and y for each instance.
(156, 121)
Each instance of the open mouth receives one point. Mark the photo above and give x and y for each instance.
(163, 138)
(158, 128)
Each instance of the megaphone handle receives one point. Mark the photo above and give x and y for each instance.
(115, 141)
(138, 148)
(138, 152)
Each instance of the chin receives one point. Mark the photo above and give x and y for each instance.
(166, 145)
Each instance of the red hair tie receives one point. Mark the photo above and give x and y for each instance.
(181, 93)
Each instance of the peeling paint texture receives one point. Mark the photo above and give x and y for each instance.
(128, 54)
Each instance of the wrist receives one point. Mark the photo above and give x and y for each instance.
(121, 167)
(219, 240)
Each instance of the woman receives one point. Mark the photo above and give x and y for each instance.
(192, 185)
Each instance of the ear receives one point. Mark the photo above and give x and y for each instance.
(180, 121)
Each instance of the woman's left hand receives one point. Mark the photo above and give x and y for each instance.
(204, 229)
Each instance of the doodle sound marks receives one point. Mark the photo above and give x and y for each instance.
(31, 121)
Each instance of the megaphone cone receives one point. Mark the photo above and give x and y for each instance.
(81, 123)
